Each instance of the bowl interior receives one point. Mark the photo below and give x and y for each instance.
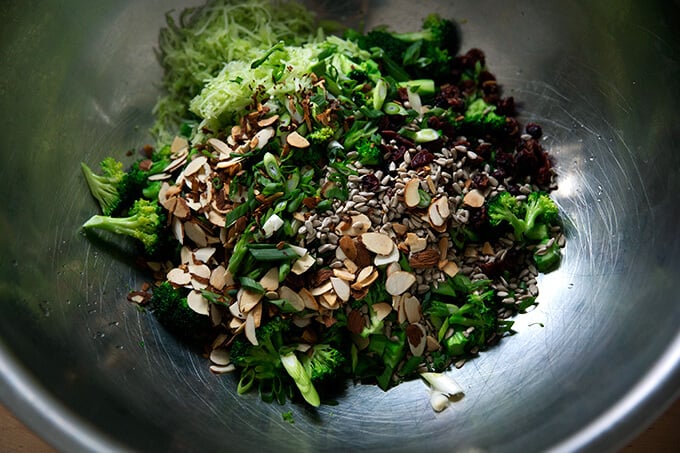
(587, 368)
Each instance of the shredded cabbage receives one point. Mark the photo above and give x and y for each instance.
(196, 47)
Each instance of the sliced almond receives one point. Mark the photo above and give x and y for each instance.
(247, 299)
(350, 265)
(415, 243)
(382, 260)
(217, 219)
(220, 146)
(450, 269)
(442, 206)
(204, 254)
(365, 273)
(178, 230)
(270, 280)
(381, 309)
(392, 268)
(175, 164)
(411, 194)
(399, 228)
(218, 278)
(256, 313)
(178, 144)
(222, 369)
(292, 297)
(181, 208)
(262, 137)
(443, 246)
(398, 305)
(268, 121)
(341, 288)
(196, 234)
(348, 247)
(398, 282)
(236, 312)
(319, 290)
(329, 300)
(309, 300)
(417, 339)
(430, 185)
(302, 265)
(179, 277)
(198, 303)
(250, 329)
(296, 140)
(412, 309)
(220, 356)
(379, 243)
(474, 199)
(487, 249)
(195, 165)
(434, 217)
(344, 274)
(432, 344)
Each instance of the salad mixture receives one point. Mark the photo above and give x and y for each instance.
(322, 209)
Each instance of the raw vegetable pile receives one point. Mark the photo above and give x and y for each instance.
(329, 209)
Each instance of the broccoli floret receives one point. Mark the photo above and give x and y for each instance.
(547, 259)
(481, 118)
(104, 187)
(541, 212)
(261, 365)
(170, 307)
(145, 223)
(321, 135)
(442, 33)
(369, 153)
(323, 363)
(505, 208)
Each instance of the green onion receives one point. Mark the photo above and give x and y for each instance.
(250, 284)
(392, 108)
(271, 166)
(272, 253)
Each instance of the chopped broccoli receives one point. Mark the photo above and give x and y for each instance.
(505, 208)
(369, 153)
(170, 307)
(145, 223)
(321, 135)
(481, 118)
(261, 365)
(323, 363)
(541, 212)
(104, 187)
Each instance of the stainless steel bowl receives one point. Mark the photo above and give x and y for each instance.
(590, 367)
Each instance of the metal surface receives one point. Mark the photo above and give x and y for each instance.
(596, 361)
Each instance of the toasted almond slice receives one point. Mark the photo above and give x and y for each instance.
(186, 255)
(411, 194)
(220, 356)
(178, 144)
(228, 163)
(178, 230)
(250, 329)
(217, 219)
(329, 300)
(433, 215)
(199, 270)
(474, 199)
(443, 246)
(236, 311)
(348, 247)
(296, 140)
(159, 177)
(359, 284)
(302, 265)
(451, 269)
(256, 312)
(262, 137)
(398, 305)
(198, 303)
(204, 254)
(196, 234)
(350, 265)
(392, 268)
(365, 273)
(175, 164)
(442, 205)
(398, 282)
(268, 121)
(179, 277)
(430, 185)
(300, 251)
(378, 243)
(415, 243)
(195, 165)
(432, 344)
(319, 290)
(417, 339)
(270, 280)
(237, 324)
(344, 274)
(247, 299)
(341, 288)
(393, 257)
(181, 208)
(220, 146)
(381, 309)
(412, 309)
(487, 249)
(218, 278)
(399, 228)
(222, 369)
(292, 297)
(308, 299)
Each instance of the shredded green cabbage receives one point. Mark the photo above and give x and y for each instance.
(196, 47)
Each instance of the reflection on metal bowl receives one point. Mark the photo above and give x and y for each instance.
(596, 360)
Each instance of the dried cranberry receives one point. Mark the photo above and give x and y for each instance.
(480, 181)
(370, 182)
(534, 130)
(421, 159)
(506, 106)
